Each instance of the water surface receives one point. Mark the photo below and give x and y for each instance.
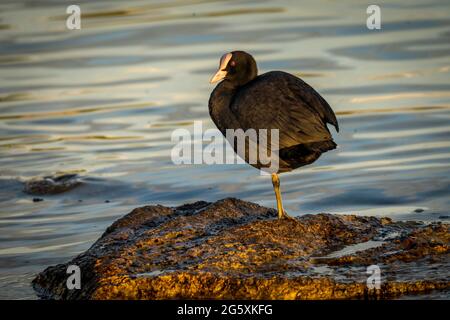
(103, 101)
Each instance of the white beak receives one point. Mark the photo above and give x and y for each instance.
(221, 73)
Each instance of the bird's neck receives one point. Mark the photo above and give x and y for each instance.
(219, 106)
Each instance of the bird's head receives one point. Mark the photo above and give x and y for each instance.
(238, 67)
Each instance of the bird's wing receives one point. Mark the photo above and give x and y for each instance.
(278, 100)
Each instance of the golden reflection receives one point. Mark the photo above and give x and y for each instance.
(382, 163)
(401, 133)
(98, 137)
(396, 149)
(47, 149)
(172, 124)
(310, 74)
(400, 96)
(391, 110)
(22, 250)
(406, 75)
(6, 59)
(19, 96)
(138, 10)
(146, 15)
(73, 112)
(240, 11)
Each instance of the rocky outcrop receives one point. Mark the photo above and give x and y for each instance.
(232, 249)
(51, 184)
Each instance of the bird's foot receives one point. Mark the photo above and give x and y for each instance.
(284, 215)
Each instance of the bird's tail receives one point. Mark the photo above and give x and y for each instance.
(322, 146)
(304, 154)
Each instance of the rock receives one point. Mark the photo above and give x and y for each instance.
(52, 185)
(232, 249)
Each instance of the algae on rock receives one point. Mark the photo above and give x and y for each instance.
(232, 249)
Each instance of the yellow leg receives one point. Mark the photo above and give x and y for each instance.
(276, 188)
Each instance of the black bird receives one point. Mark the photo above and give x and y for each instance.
(273, 100)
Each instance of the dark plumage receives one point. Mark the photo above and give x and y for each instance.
(273, 100)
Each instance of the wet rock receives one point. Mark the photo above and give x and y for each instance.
(232, 249)
(52, 185)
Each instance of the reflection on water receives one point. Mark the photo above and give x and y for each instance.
(102, 102)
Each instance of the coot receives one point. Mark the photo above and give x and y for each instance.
(273, 100)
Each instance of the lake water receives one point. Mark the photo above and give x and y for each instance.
(103, 102)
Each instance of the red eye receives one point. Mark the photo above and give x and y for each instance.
(232, 63)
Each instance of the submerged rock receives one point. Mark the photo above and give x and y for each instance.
(52, 185)
(232, 249)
